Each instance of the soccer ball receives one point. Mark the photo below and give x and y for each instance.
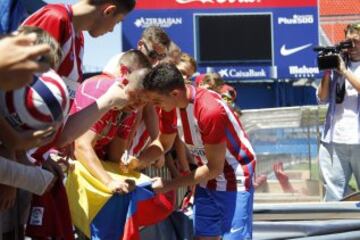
(37, 105)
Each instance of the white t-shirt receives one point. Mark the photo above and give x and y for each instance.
(346, 119)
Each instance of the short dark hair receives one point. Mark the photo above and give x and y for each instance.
(123, 6)
(134, 59)
(164, 78)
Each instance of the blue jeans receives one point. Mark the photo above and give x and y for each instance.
(337, 163)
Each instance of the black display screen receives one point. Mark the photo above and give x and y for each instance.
(241, 38)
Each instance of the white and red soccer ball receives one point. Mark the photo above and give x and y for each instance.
(38, 105)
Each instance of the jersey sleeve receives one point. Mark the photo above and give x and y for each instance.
(167, 121)
(81, 101)
(51, 19)
(212, 122)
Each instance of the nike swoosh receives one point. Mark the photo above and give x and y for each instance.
(234, 230)
(287, 52)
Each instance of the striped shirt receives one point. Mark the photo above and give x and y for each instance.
(141, 138)
(208, 120)
(107, 128)
(57, 19)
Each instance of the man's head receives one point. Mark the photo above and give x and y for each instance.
(352, 32)
(165, 86)
(228, 94)
(212, 81)
(134, 89)
(187, 66)
(154, 43)
(108, 13)
(125, 63)
(55, 54)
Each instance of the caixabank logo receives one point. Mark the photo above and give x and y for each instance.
(242, 73)
(144, 22)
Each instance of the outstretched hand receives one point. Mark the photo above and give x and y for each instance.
(18, 61)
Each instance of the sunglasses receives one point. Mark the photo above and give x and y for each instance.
(153, 54)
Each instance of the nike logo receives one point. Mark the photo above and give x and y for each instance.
(287, 52)
(234, 230)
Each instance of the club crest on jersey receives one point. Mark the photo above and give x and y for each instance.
(36, 218)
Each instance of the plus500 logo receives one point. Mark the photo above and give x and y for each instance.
(297, 19)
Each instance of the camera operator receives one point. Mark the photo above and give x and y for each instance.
(340, 144)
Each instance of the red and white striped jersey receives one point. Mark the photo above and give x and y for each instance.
(140, 140)
(208, 120)
(56, 19)
(108, 126)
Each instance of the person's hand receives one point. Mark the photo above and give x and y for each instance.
(54, 168)
(67, 152)
(158, 185)
(18, 60)
(7, 197)
(342, 66)
(29, 139)
(116, 95)
(121, 187)
(125, 98)
(64, 157)
(132, 164)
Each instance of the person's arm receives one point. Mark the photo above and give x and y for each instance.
(215, 154)
(151, 121)
(324, 87)
(159, 146)
(181, 155)
(116, 149)
(30, 178)
(349, 75)
(352, 78)
(78, 123)
(153, 152)
(85, 154)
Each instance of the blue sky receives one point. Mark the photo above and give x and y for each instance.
(98, 50)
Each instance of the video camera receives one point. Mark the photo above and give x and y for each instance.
(327, 56)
